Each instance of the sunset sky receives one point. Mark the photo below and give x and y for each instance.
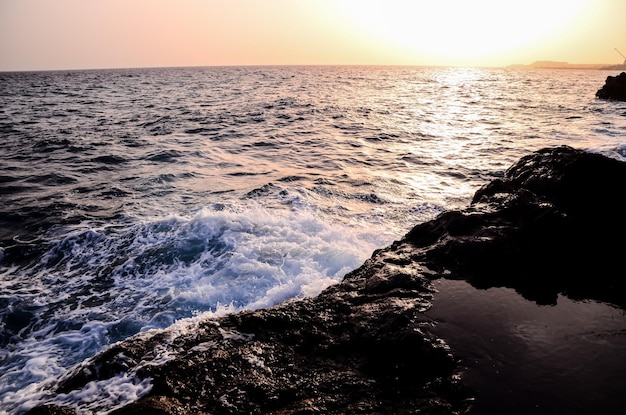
(79, 34)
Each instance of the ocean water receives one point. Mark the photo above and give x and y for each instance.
(140, 199)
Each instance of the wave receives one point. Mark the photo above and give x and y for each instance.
(94, 287)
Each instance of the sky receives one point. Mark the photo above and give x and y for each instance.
(86, 34)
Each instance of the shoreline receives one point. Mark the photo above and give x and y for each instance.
(566, 65)
(366, 344)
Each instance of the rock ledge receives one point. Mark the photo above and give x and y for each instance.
(553, 224)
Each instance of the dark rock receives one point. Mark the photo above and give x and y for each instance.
(360, 346)
(614, 88)
(156, 405)
(51, 410)
(551, 225)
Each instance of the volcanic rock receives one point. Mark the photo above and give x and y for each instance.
(614, 88)
(553, 224)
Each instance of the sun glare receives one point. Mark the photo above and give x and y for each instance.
(461, 29)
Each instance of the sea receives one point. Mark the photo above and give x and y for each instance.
(140, 199)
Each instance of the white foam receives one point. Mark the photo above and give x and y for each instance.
(256, 258)
(611, 151)
(258, 362)
(204, 347)
(105, 396)
(96, 286)
(101, 397)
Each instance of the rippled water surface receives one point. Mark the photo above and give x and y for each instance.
(130, 199)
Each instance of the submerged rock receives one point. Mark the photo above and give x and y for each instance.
(553, 224)
(614, 88)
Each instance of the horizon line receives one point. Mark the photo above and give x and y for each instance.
(514, 66)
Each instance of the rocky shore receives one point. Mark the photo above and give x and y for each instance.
(614, 88)
(552, 225)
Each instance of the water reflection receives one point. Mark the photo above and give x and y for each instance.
(521, 358)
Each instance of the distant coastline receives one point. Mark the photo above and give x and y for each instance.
(566, 65)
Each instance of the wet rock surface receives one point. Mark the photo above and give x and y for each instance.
(614, 88)
(551, 225)
(360, 347)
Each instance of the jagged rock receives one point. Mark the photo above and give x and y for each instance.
(614, 88)
(553, 224)
(361, 346)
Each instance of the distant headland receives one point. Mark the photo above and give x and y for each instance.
(566, 65)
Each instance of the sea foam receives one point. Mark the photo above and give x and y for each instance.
(98, 286)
